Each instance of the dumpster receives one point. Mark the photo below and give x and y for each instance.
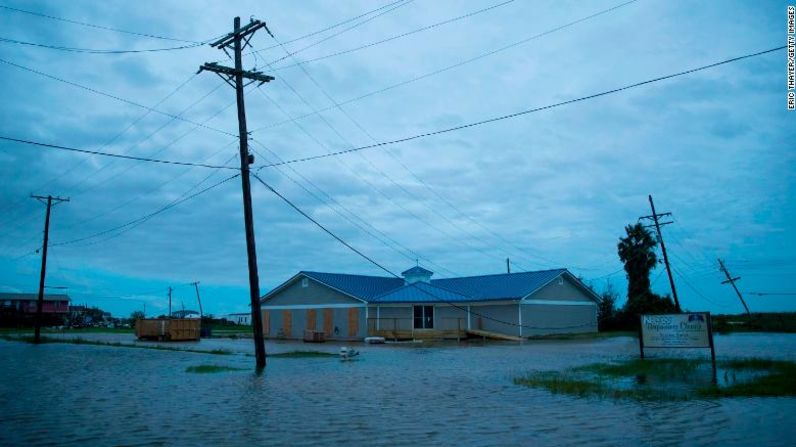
(168, 329)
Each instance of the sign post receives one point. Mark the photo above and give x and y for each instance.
(686, 330)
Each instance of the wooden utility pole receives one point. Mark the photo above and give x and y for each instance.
(169, 315)
(196, 286)
(40, 301)
(732, 280)
(239, 39)
(657, 224)
(508, 266)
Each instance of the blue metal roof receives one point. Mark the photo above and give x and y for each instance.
(379, 289)
(419, 292)
(361, 286)
(506, 286)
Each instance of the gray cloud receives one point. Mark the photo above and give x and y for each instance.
(714, 148)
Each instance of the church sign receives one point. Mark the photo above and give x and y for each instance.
(690, 330)
(685, 330)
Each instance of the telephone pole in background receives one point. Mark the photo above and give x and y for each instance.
(239, 39)
(50, 200)
(732, 280)
(169, 316)
(658, 224)
(196, 286)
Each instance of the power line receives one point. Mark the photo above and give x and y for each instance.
(657, 277)
(359, 175)
(150, 191)
(107, 143)
(129, 167)
(772, 293)
(331, 27)
(692, 287)
(381, 192)
(108, 154)
(91, 25)
(354, 218)
(525, 112)
(326, 230)
(160, 150)
(398, 36)
(458, 64)
(97, 50)
(131, 224)
(217, 112)
(404, 3)
(108, 95)
(380, 171)
(607, 275)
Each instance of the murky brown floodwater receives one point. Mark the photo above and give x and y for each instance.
(393, 395)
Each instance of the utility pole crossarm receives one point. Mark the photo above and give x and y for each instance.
(221, 70)
(44, 199)
(243, 32)
(655, 215)
(731, 280)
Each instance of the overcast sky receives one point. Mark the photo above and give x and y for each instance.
(549, 189)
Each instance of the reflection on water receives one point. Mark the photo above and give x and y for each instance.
(394, 395)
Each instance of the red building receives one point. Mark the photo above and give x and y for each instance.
(18, 308)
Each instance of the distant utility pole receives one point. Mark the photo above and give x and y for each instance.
(658, 226)
(239, 39)
(196, 286)
(508, 266)
(169, 316)
(732, 280)
(50, 200)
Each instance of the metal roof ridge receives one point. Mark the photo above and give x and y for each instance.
(416, 284)
(562, 269)
(348, 274)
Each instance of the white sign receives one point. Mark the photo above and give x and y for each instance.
(676, 330)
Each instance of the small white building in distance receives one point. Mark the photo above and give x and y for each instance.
(241, 318)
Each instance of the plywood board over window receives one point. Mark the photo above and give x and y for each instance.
(311, 319)
(353, 322)
(287, 322)
(266, 322)
(328, 318)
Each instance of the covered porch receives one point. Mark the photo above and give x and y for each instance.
(418, 322)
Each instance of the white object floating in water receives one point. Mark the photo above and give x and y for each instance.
(347, 352)
(374, 340)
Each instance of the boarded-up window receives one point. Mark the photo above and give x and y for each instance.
(266, 323)
(311, 319)
(328, 318)
(287, 322)
(353, 322)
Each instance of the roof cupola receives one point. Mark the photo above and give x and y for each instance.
(417, 274)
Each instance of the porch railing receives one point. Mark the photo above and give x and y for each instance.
(403, 327)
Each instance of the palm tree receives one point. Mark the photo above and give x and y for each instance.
(637, 252)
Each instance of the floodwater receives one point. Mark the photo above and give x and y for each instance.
(410, 394)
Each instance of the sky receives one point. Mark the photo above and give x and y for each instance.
(548, 189)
